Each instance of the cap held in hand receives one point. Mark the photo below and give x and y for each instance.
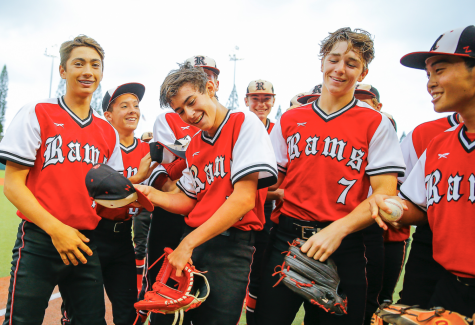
(111, 189)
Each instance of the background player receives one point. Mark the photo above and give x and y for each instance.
(48, 149)
(441, 186)
(217, 197)
(333, 208)
(260, 98)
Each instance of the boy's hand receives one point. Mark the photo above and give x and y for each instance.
(180, 256)
(322, 244)
(69, 243)
(377, 202)
(146, 168)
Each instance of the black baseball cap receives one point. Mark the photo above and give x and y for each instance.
(365, 91)
(458, 42)
(177, 149)
(133, 88)
(111, 189)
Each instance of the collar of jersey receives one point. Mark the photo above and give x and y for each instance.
(211, 141)
(267, 124)
(129, 148)
(328, 117)
(81, 123)
(467, 144)
(453, 119)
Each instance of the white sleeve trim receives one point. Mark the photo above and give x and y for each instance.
(409, 154)
(162, 131)
(280, 147)
(385, 156)
(414, 188)
(154, 175)
(186, 184)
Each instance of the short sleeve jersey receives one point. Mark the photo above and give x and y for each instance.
(168, 128)
(240, 147)
(443, 184)
(60, 148)
(413, 146)
(328, 159)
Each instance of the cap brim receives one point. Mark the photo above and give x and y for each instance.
(158, 155)
(144, 201)
(130, 88)
(364, 94)
(215, 70)
(306, 98)
(260, 94)
(417, 60)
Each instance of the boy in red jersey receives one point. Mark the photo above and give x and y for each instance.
(422, 272)
(48, 149)
(166, 228)
(217, 196)
(441, 187)
(329, 153)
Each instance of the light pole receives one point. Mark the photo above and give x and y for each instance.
(233, 102)
(52, 65)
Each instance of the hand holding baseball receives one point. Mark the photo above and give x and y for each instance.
(387, 209)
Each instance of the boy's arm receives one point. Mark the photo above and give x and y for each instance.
(66, 239)
(174, 202)
(240, 202)
(321, 245)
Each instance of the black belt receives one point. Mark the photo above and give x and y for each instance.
(114, 226)
(301, 228)
(246, 236)
(469, 282)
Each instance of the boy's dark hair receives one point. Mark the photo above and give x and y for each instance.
(186, 73)
(469, 63)
(358, 40)
(78, 41)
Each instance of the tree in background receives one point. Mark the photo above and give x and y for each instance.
(61, 91)
(279, 113)
(3, 98)
(96, 101)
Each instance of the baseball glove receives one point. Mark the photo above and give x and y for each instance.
(411, 315)
(315, 281)
(175, 295)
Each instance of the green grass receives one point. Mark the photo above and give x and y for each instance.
(9, 221)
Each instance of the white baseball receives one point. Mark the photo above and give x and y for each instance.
(396, 210)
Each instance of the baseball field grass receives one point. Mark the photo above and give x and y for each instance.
(9, 224)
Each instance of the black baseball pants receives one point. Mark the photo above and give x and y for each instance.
(422, 271)
(279, 305)
(37, 268)
(374, 252)
(394, 255)
(141, 225)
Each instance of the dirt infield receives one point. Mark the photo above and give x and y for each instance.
(53, 312)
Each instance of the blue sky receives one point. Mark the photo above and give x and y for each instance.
(278, 40)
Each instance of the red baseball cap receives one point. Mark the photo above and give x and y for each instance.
(458, 42)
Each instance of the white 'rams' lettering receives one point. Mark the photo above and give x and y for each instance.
(53, 153)
(331, 147)
(471, 180)
(432, 192)
(131, 171)
(356, 159)
(209, 173)
(91, 154)
(311, 148)
(292, 145)
(197, 184)
(74, 153)
(219, 167)
(453, 192)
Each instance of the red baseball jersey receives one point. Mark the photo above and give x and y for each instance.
(443, 184)
(413, 146)
(168, 128)
(328, 159)
(60, 148)
(240, 147)
(131, 156)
